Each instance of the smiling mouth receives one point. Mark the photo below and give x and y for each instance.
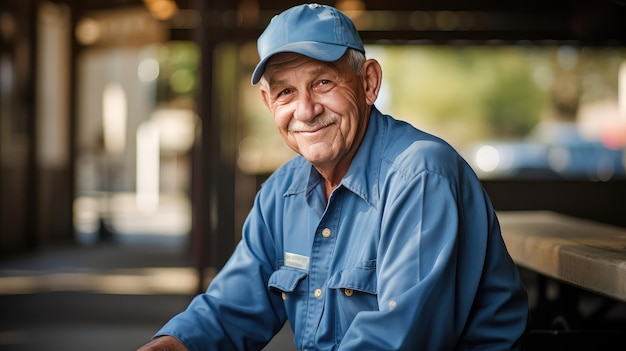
(311, 129)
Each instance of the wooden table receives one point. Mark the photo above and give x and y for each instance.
(584, 253)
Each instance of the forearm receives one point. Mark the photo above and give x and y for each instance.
(163, 343)
(236, 313)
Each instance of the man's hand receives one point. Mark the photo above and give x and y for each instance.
(163, 343)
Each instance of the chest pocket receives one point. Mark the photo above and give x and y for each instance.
(289, 283)
(353, 290)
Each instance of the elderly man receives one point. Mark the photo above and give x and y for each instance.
(378, 236)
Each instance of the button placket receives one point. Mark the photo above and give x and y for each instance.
(320, 264)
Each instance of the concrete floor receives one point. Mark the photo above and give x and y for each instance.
(116, 296)
(106, 297)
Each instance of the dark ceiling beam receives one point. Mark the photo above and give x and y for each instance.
(587, 22)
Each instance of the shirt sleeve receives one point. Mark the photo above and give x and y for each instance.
(444, 276)
(237, 312)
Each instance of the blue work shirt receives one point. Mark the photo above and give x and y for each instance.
(405, 255)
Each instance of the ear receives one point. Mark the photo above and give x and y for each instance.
(265, 95)
(372, 78)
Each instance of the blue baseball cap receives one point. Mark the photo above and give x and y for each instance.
(318, 31)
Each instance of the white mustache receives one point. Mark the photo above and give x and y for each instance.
(316, 124)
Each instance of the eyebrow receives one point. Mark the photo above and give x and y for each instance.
(317, 71)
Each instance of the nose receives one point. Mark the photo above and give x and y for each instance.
(307, 107)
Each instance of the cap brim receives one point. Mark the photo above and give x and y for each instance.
(315, 50)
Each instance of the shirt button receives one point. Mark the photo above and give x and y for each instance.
(283, 295)
(318, 292)
(392, 304)
(348, 292)
(326, 232)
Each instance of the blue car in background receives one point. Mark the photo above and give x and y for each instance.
(552, 151)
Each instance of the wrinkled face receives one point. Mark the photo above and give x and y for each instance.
(319, 108)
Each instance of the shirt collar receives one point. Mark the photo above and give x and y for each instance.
(362, 177)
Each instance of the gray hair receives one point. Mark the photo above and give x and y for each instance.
(355, 60)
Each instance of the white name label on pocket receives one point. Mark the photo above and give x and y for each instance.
(296, 261)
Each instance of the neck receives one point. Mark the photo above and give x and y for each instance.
(332, 175)
(330, 183)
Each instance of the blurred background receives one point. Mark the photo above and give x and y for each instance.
(132, 143)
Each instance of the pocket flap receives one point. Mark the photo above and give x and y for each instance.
(286, 279)
(358, 278)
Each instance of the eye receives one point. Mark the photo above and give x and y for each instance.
(284, 92)
(283, 96)
(324, 85)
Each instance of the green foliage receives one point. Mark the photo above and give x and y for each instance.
(490, 91)
(179, 70)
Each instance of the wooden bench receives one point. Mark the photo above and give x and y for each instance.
(580, 252)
